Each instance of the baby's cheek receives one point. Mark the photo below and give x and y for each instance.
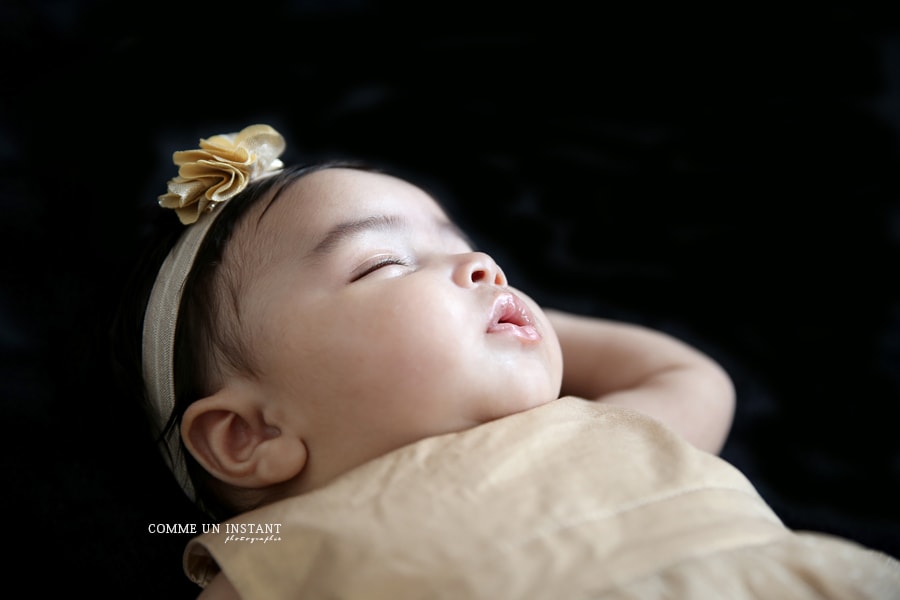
(555, 358)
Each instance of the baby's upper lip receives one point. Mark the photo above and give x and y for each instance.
(509, 308)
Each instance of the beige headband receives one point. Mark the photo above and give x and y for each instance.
(207, 177)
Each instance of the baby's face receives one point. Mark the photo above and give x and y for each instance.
(376, 325)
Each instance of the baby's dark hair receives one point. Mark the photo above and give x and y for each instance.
(207, 337)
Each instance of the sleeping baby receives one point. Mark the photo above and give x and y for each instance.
(369, 409)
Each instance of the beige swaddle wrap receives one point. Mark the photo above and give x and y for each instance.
(571, 500)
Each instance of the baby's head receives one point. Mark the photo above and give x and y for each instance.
(330, 315)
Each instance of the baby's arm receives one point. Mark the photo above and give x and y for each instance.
(629, 365)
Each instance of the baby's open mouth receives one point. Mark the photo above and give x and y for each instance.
(510, 315)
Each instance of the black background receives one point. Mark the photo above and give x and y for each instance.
(729, 176)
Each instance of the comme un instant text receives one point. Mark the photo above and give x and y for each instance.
(237, 528)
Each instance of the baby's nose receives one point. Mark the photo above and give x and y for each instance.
(476, 268)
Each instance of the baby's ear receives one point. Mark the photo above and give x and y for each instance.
(227, 434)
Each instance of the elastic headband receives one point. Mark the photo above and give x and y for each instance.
(207, 177)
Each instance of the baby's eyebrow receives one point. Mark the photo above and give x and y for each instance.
(348, 229)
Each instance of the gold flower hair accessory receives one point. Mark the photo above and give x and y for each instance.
(220, 169)
(216, 172)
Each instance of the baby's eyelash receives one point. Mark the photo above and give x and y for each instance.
(392, 260)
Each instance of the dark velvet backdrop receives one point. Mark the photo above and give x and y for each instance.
(729, 177)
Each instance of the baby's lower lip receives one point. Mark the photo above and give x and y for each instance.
(525, 332)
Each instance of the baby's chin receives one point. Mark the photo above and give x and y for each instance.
(525, 403)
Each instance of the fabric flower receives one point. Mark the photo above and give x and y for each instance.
(220, 169)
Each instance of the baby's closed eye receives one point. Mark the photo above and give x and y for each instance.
(379, 263)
